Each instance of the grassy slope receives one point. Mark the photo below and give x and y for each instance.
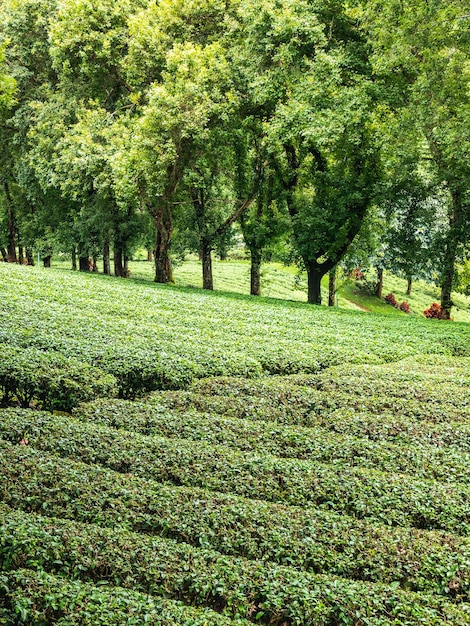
(287, 283)
(279, 281)
(84, 315)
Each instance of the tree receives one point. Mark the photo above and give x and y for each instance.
(177, 64)
(306, 72)
(175, 136)
(265, 223)
(422, 55)
(74, 127)
(24, 45)
(413, 233)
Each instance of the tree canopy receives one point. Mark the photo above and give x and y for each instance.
(307, 121)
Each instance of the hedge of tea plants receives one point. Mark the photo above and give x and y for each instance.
(152, 337)
(313, 538)
(317, 443)
(38, 598)
(235, 587)
(173, 457)
(389, 497)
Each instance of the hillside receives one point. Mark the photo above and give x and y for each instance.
(176, 457)
(286, 283)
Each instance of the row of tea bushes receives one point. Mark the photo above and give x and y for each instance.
(139, 333)
(421, 377)
(313, 539)
(397, 499)
(423, 458)
(140, 369)
(153, 417)
(37, 598)
(263, 592)
(304, 406)
(408, 391)
(49, 379)
(58, 378)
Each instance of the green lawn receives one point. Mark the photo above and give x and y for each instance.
(286, 282)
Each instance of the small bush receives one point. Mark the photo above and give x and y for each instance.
(139, 371)
(390, 299)
(39, 598)
(202, 577)
(405, 307)
(434, 311)
(49, 380)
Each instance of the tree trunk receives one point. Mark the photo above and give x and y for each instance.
(314, 275)
(450, 255)
(21, 255)
(47, 260)
(332, 287)
(409, 285)
(163, 269)
(149, 255)
(11, 248)
(447, 281)
(11, 226)
(106, 259)
(74, 259)
(255, 273)
(163, 220)
(4, 254)
(446, 297)
(207, 279)
(118, 260)
(126, 266)
(84, 263)
(380, 283)
(94, 264)
(29, 256)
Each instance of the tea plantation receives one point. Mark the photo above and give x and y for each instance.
(174, 457)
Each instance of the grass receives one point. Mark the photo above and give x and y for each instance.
(288, 283)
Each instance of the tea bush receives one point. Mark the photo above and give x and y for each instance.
(49, 379)
(270, 594)
(396, 499)
(316, 443)
(39, 599)
(285, 464)
(313, 539)
(153, 337)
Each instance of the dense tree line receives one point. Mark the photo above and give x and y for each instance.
(342, 128)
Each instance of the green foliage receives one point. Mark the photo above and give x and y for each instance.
(417, 53)
(40, 599)
(336, 494)
(7, 85)
(239, 588)
(463, 277)
(49, 379)
(361, 491)
(316, 443)
(156, 337)
(342, 545)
